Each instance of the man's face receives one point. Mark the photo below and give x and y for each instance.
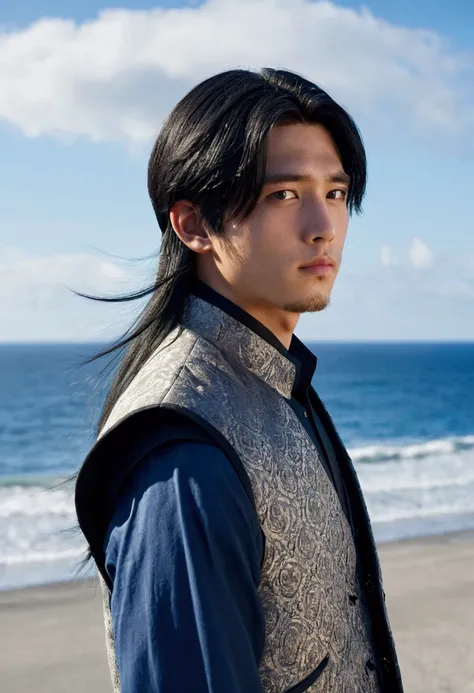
(295, 223)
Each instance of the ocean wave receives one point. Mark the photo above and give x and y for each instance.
(35, 501)
(43, 556)
(392, 453)
(43, 481)
(413, 482)
(38, 525)
(429, 512)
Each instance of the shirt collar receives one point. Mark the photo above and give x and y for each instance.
(289, 371)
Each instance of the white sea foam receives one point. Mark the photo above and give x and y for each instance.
(408, 485)
(43, 556)
(36, 528)
(428, 480)
(432, 448)
(34, 501)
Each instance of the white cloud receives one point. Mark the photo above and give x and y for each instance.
(37, 302)
(111, 271)
(420, 255)
(386, 256)
(401, 305)
(81, 271)
(117, 76)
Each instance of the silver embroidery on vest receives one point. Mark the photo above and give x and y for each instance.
(219, 369)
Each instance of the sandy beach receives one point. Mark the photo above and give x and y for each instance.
(52, 640)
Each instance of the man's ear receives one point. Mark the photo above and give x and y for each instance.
(189, 226)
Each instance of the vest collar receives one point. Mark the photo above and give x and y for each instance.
(232, 329)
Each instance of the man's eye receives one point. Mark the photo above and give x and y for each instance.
(339, 194)
(282, 195)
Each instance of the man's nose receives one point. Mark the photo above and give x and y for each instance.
(319, 225)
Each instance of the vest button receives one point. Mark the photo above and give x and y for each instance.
(370, 665)
(353, 599)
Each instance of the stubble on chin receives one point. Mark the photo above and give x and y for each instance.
(313, 304)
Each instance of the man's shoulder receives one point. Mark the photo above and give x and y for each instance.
(114, 456)
(175, 436)
(112, 461)
(198, 464)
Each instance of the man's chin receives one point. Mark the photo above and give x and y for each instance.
(312, 304)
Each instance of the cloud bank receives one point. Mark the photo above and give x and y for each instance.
(420, 255)
(116, 77)
(37, 304)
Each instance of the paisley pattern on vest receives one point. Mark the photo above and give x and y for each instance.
(314, 606)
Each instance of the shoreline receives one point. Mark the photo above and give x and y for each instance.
(69, 566)
(52, 635)
(384, 546)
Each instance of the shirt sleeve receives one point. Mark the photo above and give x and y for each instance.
(183, 551)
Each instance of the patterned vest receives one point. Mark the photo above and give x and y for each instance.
(318, 633)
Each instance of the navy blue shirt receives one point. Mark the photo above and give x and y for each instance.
(183, 551)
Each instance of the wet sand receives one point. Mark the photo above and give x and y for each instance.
(52, 638)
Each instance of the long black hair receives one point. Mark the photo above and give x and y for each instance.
(212, 152)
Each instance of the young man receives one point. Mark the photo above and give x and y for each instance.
(219, 503)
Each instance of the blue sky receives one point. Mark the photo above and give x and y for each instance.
(82, 93)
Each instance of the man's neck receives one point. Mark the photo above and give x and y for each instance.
(281, 323)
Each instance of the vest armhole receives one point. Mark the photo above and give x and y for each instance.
(100, 476)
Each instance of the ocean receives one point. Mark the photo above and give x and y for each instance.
(405, 412)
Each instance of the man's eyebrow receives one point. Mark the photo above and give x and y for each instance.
(336, 177)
